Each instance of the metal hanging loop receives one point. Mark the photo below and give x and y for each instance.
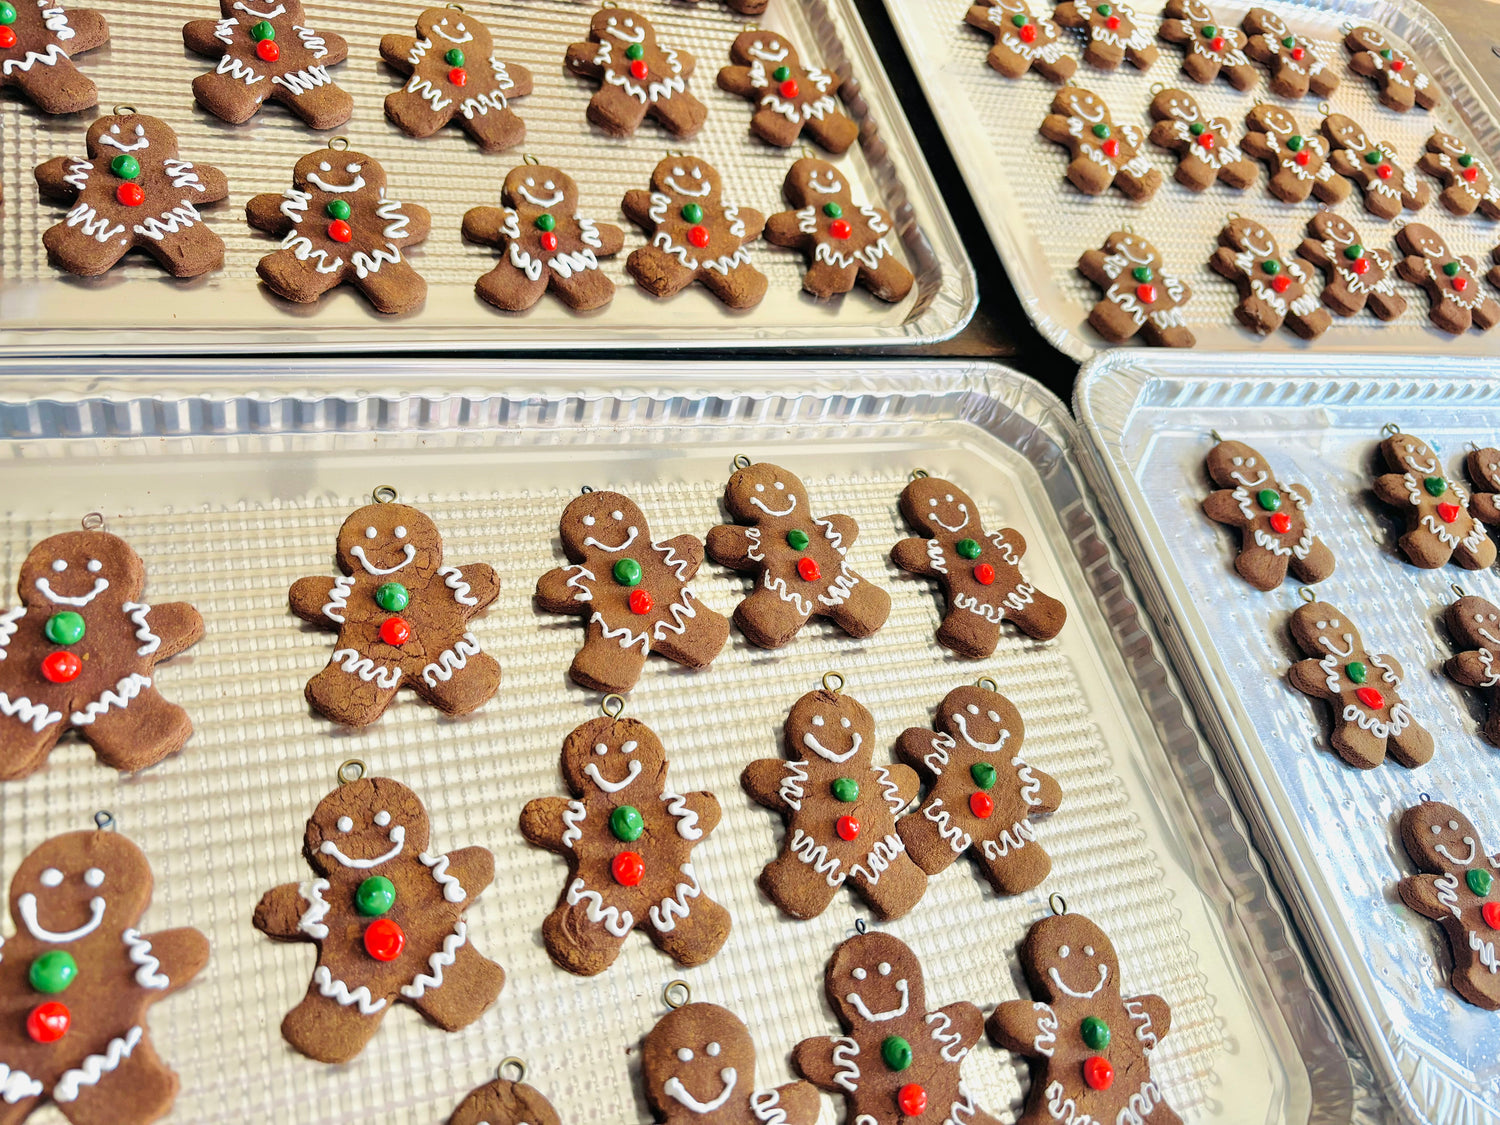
(919, 474)
(338, 144)
(1390, 429)
(104, 820)
(676, 994)
(1057, 903)
(987, 682)
(527, 158)
(518, 1065)
(385, 494)
(741, 461)
(833, 681)
(94, 521)
(1215, 435)
(352, 770)
(122, 110)
(613, 705)
(1306, 594)
(1457, 589)
(585, 490)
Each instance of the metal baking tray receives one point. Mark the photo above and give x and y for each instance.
(1329, 832)
(230, 494)
(1040, 223)
(136, 308)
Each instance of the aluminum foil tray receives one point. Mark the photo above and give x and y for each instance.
(1329, 832)
(1040, 223)
(230, 495)
(137, 308)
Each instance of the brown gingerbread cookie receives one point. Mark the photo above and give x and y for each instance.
(544, 243)
(1274, 289)
(337, 226)
(1436, 507)
(1400, 82)
(840, 808)
(1363, 690)
(1022, 41)
(983, 792)
(132, 192)
(1372, 165)
(402, 619)
(1356, 276)
(980, 571)
(845, 242)
(1205, 150)
(265, 52)
(628, 837)
(1271, 518)
(1456, 299)
(1212, 48)
(1295, 67)
(1139, 296)
(387, 917)
(1089, 1044)
(455, 74)
(695, 235)
(1484, 474)
(1297, 162)
(800, 560)
(896, 1062)
(1457, 887)
(633, 590)
(791, 97)
(1474, 627)
(505, 1102)
(639, 76)
(1101, 152)
(37, 46)
(80, 653)
(698, 1068)
(1113, 35)
(1468, 183)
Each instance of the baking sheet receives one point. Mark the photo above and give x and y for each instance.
(1331, 832)
(1040, 223)
(137, 308)
(231, 495)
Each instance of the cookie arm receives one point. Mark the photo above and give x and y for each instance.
(913, 747)
(1391, 664)
(483, 582)
(394, 49)
(784, 229)
(842, 526)
(611, 239)
(729, 545)
(181, 954)
(705, 806)
(308, 596)
(1022, 1025)
(1151, 1017)
(1391, 487)
(1308, 677)
(1313, 251)
(263, 212)
(907, 787)
(687, 548)
(911, 556)
(736, 80)
(542, 823)
(474, 868)
(801, 1102)
(279, 913)
(580, 58)
(966, 1019)
(198, 37)
(1469, 669)
(813, 1059)
(1483, 507)
(49, 180)
(178, 625)
(762, 779)
(637, 207)
(754, 222)
(1419, 892)
(555, 594)
(1222, 507)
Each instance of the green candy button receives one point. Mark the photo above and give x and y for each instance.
(1209, 31)
(1356, 672)
(125, 166)
(1289, 42)
(896, 1052)
(781, 73)
(53, 971)
(65, 628)
(968, 548)
(1435, 486)
(628, 572)
(833, 210)
(1354, 251)
(845, 789)
(626, 823)
(375, 895)
(797, 539)
(1372, 157)
(1268, 498)
(983, 774)
(1463, 161)
(1386, 54)
(634, 52)
(692, 212)
(1101, 130)
(1197, 128)
(1018, 20)
(545, 221)
(7, 13)
(262, 30)
(1479, 881)
(1104, 10)
(1095, 1033)
(1271, 266)
(392, 596)
(1450, 268)
(1141, 273)
(338, 209)
(453, 57)
(1295, 142)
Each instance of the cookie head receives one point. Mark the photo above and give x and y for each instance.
(1446, 143)
(1067, 955)
(1407, 454)
(504, 1103)
(695, 1059)
(541, 187)
(813, 183)
(622, 27)
(833, 727)
(80, 568)
(939, 508)
(79, 884)
(1441, 839)
(448, 28)
(1196, 12)
(1345, 132)
(333, 172)
(1233, 464)
(608, 755)
(364, 825)
(390, 539)
(1323, 630)
(1326, 226)
(1272, 120)
(145, 138)
(603, 523)
(1418, 238)
(1271, 24)
(1134, 249)
(1074, 101)
(1247, 234)
(1367, 39)
(764, 47)
(688, 180)
(873, 978)
(1175, 105)
(763, 493)
(1484, 468)
(982, 720)
(1475, 623)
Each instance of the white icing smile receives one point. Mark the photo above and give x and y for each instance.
(359, 552)
(256, 13)
(338, 189)
(817, 747)
(114, 130)
(26, 907)
(1256, 483)
(397, 837)
(1343, 653)
(758, 51)
(1428, 469)
(1089, 995)
(612, 786)
(674, 1089)
(833, 186)
(987, 747)
(1446, 854)
(536, 201)
(759, 503)
(699, 193)
(629, 539)
(877, 1017)
(100, 585)
(464, 38)
(964, 508)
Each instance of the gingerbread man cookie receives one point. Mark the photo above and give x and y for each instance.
(338, 226)
(638, 75)
(1401, 83)
(1458, 887)
(1139, 296)
(1456, 300)
(845, 242)
(980, 571)
(544, 243)
(1484, 473)
(1356, 276)
(77, 979)
(1113, 35)
(1363, 690)
(268, 52)
(1271, 517)
(1101, 152)
(1212, 48)
(79, 653)
(1022, 41)
(695, 235)
(1089, 1044)
(132, 192)
(840, 809)
(1468, 183)
(633, 590)
(402, 618)
(455, 74)
(791, 97)
(1474, 625)
(896, 1062)
(698, 1068)
(1274, 289)
(505, 1102)
(37, 45)
(1438, 524)
(983, 791)
(1295, 67)
(800, 559)
(1372, 165)
(1205, 150)
(387, 917)
(628, 837)
(1298, 162)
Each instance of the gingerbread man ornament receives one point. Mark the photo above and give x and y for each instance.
(76, 981)
(1113, 35)
(633, 590)
(1022, 41)
(1468, 183)
(638, 75)
(1458, 887)
(1271, 517)
(1297, 161)
(1356, 276)
(1400, 82)
(1439, 526)
(1089, 1044)
(1474, 625)
(1484, 473)
(1363, 690)
(505, 1102)
(402, 619)
(455, 74)
(791, 97)
(132, 192)
(628, 837)
(1101, 152)
(801, 560)
(896, 1061)
(1212, 48)
(1139, 295)
(80, 653)
(1274, 289)
(1372, 165)
(1205, 149)
(1456, 300)
(544, 243)
(846, 243)
(1295, 67)
(38, 43)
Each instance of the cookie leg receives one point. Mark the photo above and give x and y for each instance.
(968, 634)
(1263, 569)
(231, 99)
(507, 287)
(411, 114)
(617, 114)
(325, 1030)
(1163, 1114)
(608, 663)
(681, 114)
(471, 984)
(693, 939)
(835, 132)
(796, 887)
(25, 749)
(394, 288)
(139, 1090)
(322, 107)
(766, 620)
(932, 844)
(863, 611)
(702, 638)
(140, 734)
(348, 698)
(1412, 747)
(578, 945)
(890, 281)
(585, 289)
(1019, 869)
(83, 254)
(1041, 619)
(892, 892)
(465, 689)
(495, 132)
(189, 253)
(57, 89)
(296, 281)
(1358, 747)
(658, 272)
(774, 128)
(743, 287)
(824, 279)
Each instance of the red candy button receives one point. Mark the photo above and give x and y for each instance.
(395, 631)
(1361, 265)
(847, 827)
(1302, 158)
(458, 76)
(130, 194)
(1112, 23)
(338, 230)
(1471, 174)
(1111, 148)
(1490, 912)
(1281, 283)
(267, 50)
(808, 569)
(7, 37)
(628, 868)
(1206, 140)
(1397, 65)
(698, 236)
(549, 241)
(1098, 1073)
(840, 228)
(639, 70)
(912, 1099)
(1145, 294)
(1449, 512)
(1384, 171)
(61, 667)
(1217, 43)
(384, 940)
(640, 601)
(984, 574)
(1281, 523)
(1028, 34)
(1460, 284)
(981, 804)
(1297, 53)
(1370, 697)
(789, 88)
(48, 1022)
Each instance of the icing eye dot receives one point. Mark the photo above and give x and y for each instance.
(971, 709)
(1453, 824)
(382, 818)
(325, 167)
(932, 503)
(600, 748)
(59, 565)
(370, 533)
(140, 130)
(817, 720)
(779, 486)
(115, 129)
(844, 723)
(588, 521)
(884, 968)
(1335, 623)
(684, 1054)
(1063, 951)
(994, 716)
(1322, 625)
(1250, 462)
(617, 515)
(51, 877)
(530, 182)
(760, 488)
(628, 747)
(1479, 617)
(345, 824)
(93, 877)
(549, 185)
(679, 171)
(949, 498)
(1088, 950)
(712, 1050)
(400, 532)
(697, 174)
(859, 974)
(351, 168)
(95, 566)
(1437, 829)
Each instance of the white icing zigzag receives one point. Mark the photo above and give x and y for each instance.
(791, 790)
(892, 792)
(669, 559)
(574, 815)
(617, 922)
(845, 1069)
(627, 638)
(953, 1049)
(957, 838)
(1138, 1014)
(816, 856)
(1013, 839)
(453, 578)
(148, 973)
(26, 711)
(311, 922)
(337, 991)
(137, 612)
(1046, 1028)
(582, 576)
(338, 597)
(96, 1067)
(365, 668)
(439, 961)
(938, 758)
(453, 890)
(766, 1105)
(936, 557)
(8, 626)
(681, 613)
(664, 917)
(881, 856)
(687, 819)
(451, 660)
(17, 1085)
(119, 696)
